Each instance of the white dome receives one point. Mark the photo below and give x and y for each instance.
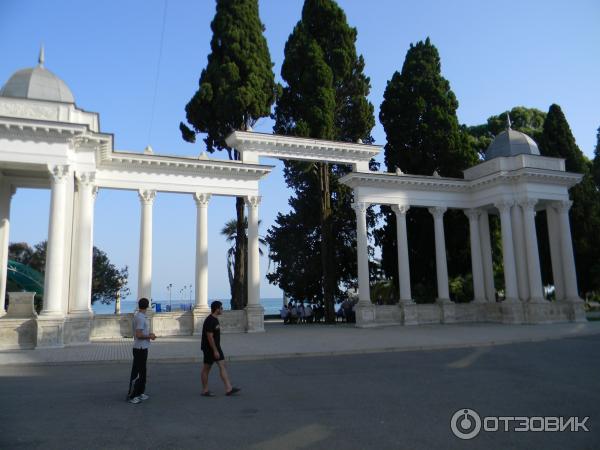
(510, 143)
(37, 83)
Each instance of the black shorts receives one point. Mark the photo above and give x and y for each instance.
(209, 356)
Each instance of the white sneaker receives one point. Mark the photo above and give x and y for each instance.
(135, 400)
(143, 397)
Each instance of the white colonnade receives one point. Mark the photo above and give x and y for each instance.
(520, 252)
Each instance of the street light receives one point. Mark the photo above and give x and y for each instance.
(170, 288)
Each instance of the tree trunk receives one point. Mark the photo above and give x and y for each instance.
(240, 297)
(327, 260)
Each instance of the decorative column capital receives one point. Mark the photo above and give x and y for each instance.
(437, 211)
(563, 206)
(528, 204)
(201, 199)
(400, 209)
(59, 173)
(252, 201)
(85, 179)
(473, 213)
(504, 205)
(360, 207)
(147, 195)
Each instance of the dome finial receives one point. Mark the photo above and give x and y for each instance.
(41, 58)
(508, 124)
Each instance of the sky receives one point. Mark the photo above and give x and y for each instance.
(119, 61)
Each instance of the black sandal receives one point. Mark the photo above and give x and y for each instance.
(207, 394)
(232, 391)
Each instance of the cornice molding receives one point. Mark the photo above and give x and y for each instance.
(290, 147)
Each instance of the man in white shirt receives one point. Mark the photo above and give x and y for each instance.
(141, 343)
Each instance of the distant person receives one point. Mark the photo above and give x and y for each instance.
(141, 343)
(211, 347)
(294, 314)
(308, 313)
(285, 314)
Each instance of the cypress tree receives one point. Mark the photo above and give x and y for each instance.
(596, 162)
(418, 114)
(325, 96)
(236, 88)
(557, 140)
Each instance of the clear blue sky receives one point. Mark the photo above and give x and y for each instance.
(496, 55)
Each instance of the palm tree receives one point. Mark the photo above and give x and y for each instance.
(230, 232)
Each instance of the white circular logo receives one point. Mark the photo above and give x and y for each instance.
(465, 424)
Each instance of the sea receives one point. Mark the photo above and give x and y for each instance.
(271, 305)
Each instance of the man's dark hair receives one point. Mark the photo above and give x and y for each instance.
(215, 305)
(143, 303)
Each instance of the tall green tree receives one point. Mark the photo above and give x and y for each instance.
(557, 140)
(418, 114)
(526, 120)
(325, 96)
(236, 88)
(596, 162)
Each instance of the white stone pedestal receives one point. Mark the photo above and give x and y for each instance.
(447, 310)
(576, 311)
(410, 315)
(365, 315)
(50, 331)
(20, 305)
(512, 312)
(199, 314)
(78, 328)
(255, 319)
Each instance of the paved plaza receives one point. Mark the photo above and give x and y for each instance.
(384, 388)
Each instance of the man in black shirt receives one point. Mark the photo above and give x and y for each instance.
(211, 347)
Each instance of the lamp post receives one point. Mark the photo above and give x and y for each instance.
(170, 288)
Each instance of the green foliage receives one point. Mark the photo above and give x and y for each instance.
(526, 120)
(596, 163)
(107, 280)
(418, 114)
(558, 141)
(325, 96)
(237, 87)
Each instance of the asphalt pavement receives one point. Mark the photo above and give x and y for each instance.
(383, 400)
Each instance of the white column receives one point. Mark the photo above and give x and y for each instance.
(6, 193)
(201, 251)
(486, 256)
(55, 257)
(476, 259)
(518, 230)
(510, 275)
(555, 253)
(252, 203)
(402, 244)
(85, 244)
(536, 291)
(566, 245)
(441, 263)
(362, 253)
(145, 261)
